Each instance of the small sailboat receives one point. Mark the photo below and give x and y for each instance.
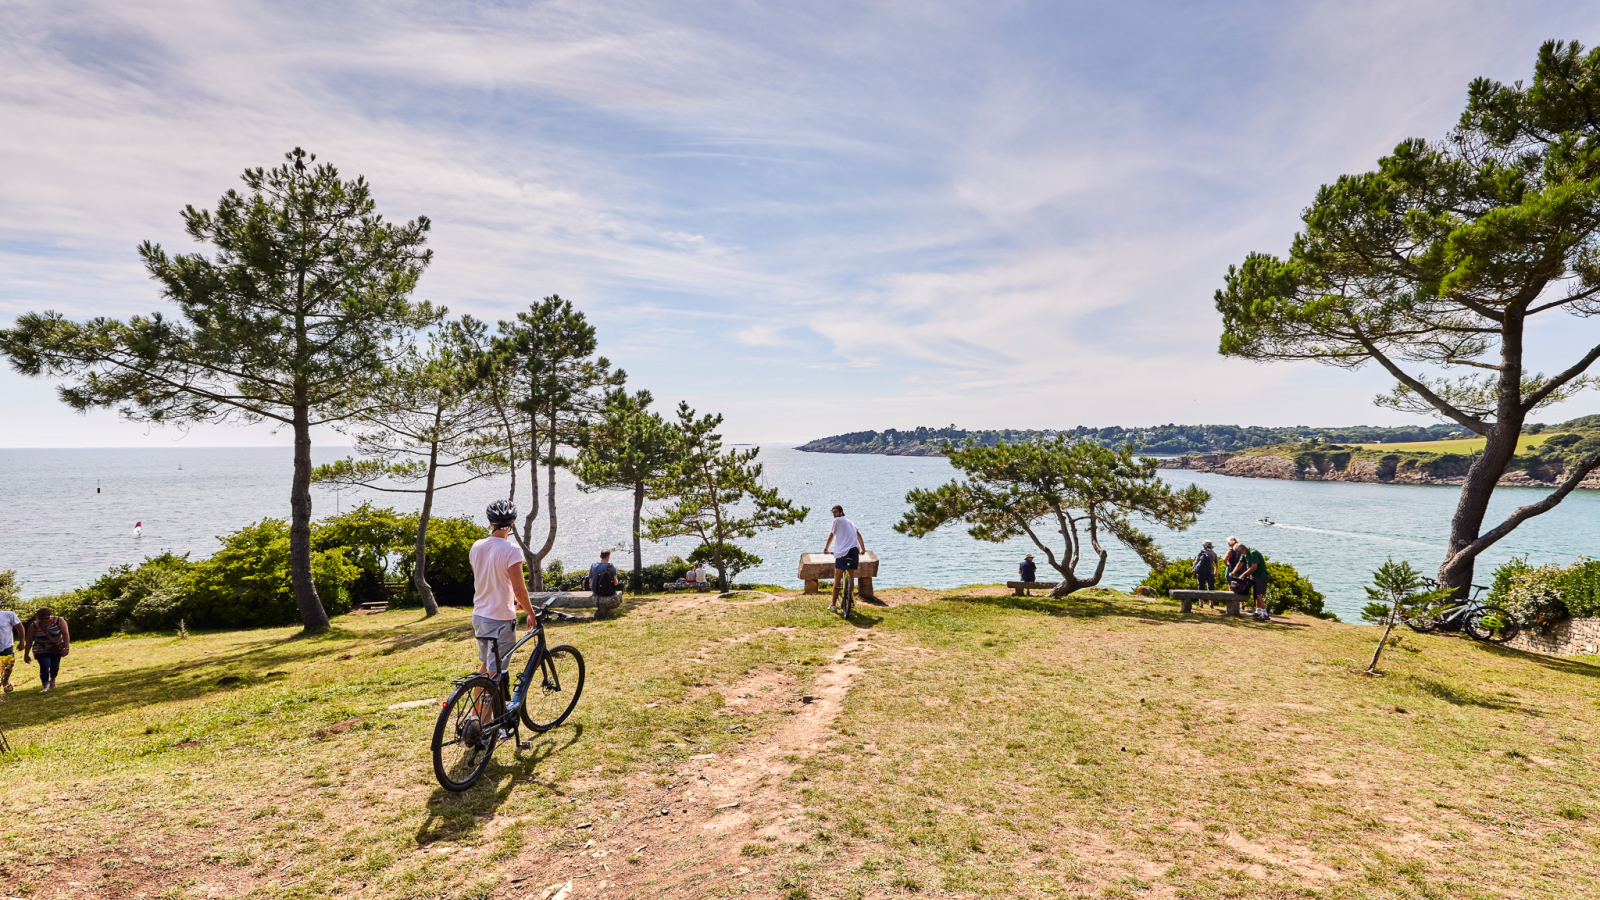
(138, 529)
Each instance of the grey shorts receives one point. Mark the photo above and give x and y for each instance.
(504, 630)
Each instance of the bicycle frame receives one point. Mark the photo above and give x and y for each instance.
(515, 699)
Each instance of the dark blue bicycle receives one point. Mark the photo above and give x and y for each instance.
(483, 710)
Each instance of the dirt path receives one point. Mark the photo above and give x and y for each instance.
(707, 827)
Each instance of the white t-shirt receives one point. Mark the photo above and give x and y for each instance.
(845, 535)
(8, 621)
(492, 559)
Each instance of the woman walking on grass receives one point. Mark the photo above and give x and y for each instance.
(49, 640)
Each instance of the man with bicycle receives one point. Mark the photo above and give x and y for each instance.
(498, 589)
(846, 554)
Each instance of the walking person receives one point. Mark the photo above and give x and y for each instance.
(1252, 570)
(498, 590)
(11, 634)
(846, 553)
(1205, 569)
(48, 639)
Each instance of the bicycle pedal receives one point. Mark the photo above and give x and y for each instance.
(525, 745)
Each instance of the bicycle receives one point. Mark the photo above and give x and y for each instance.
(481, 707)
(1479, 620)
(847, 600)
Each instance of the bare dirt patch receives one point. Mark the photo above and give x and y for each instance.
(708, 825)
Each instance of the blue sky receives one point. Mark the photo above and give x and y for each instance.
(813, 218)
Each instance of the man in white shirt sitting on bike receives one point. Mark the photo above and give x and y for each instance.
(846, 553)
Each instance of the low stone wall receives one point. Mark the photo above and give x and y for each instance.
(1574, 637)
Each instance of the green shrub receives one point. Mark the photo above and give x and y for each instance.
(1543, 596)
(246, 583)
(1286, 588)
(373, 539)
(735, 558)
(450, 541)
(10, 589)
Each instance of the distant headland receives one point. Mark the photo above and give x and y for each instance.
(1155, 440)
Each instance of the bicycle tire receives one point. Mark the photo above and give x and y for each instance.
(461, 725)
(1491, 624)
(848, 602)
(1422, 626)
(558, 683)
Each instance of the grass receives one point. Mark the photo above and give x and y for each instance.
(991, 746)
(1460, 445)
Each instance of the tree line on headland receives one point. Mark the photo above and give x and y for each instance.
(1155, 439)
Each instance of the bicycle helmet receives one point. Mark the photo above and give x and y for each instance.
(502, 513)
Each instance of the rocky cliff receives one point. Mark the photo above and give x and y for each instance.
(1340, 467)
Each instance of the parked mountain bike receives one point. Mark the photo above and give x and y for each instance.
(483, 710)
(1477, 619)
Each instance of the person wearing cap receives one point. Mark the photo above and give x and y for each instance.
(1027, 570)
(1205, 568)
(1251, 574)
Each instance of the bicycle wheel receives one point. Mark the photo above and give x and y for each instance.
(1492, 624)
(848, 601)
(1422, 625)
(557, 684)
(465, 735)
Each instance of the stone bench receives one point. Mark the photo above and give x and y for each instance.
(1187, 598)
(1020, 588)
(815, 567)
(575, 600)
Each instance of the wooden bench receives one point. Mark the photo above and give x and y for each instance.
(1187, 598)
(1020, 588)
(575, 600)
(815, 567)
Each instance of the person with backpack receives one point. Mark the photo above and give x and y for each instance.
(603, 576)
(1205, 569)
(48, 639)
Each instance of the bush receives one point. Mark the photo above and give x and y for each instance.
(733, 557)
(373, 539)
(10, 589)
(1541, 597)
(246, 583)
(450, 541)
(1286, 588)
(658, 576)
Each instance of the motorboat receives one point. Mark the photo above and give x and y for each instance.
(1265, 521)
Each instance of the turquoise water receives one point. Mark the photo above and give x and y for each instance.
(58, 533)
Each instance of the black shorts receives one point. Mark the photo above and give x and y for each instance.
(848, 562)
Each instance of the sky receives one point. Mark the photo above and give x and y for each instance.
(813, 218)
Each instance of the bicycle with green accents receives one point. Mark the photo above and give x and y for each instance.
(483, 709)
(1478, 619)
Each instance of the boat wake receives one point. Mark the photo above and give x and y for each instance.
(1386, 538)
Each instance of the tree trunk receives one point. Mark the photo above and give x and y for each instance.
(1372, 667)
(1484, 474)
(419, 574)
(312, 614)
(550, 512)
(638, 560)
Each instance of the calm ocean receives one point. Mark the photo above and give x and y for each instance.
(59, 532)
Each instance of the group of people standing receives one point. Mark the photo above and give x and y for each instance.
(1244, 568)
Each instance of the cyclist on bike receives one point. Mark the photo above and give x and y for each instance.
(847, 555)
(498, 588)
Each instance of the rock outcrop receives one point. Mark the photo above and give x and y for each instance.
(1340, 467)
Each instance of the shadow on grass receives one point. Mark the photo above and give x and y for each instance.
(206, 675)
(452, 816)
(1560, 664)
(1457, 696)
(1093, 606)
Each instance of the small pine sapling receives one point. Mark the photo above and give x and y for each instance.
(1396, 595)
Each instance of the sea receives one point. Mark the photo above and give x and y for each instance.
(67, 516)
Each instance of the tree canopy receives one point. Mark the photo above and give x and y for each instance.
(628, 448)
(1073, 490)
(294, 320)
(1433, 265)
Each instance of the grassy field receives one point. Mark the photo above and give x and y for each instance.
(959, 743)
(1462, 445)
